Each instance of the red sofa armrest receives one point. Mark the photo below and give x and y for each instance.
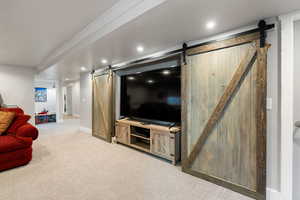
(28, 130)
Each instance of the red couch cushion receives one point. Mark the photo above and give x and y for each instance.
(19, 121)
(15, 110)
(11, 143)
(27, 130)
(15, 158)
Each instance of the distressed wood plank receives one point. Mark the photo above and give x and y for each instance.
(252, 142)
(234, 130)
(184, 112)
(225, 99)
(224, 44)
(261, 117)
(205, 100)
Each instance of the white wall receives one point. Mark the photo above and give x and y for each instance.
(59, 101)
(50, 105)
(86, 101)
(69, 96)
(76, 99)
(16, 87)
(273, 133)
(296, 171)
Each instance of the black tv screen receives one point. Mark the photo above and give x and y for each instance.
(152, 95)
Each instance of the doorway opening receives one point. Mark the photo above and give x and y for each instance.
(71, 98)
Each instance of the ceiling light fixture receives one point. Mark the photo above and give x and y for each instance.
(66, 79)
(83, 68)
(104, 61)
(140, 49)
(210, 25)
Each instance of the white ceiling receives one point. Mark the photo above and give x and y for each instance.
(165, 26)
(31, 29)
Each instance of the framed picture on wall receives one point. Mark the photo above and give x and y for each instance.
(40, 94)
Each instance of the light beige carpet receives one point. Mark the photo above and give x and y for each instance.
(70, 165)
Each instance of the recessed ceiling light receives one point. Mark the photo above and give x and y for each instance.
(166, 72)
(131, 78)
(150, 81)
(210, 25)
(104, 61)
(140, 49)
(83, 68)
(67, 79)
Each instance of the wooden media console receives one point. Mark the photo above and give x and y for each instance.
(161, 141)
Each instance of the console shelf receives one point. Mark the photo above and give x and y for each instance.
(161, 141)
(138, 136)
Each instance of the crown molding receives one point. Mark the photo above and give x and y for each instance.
(119, 14)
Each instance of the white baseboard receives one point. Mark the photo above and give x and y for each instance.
(273, 194)
(85, 130)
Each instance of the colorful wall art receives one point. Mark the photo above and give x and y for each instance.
(40, 94)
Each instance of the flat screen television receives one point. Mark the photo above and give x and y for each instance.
(152, 96)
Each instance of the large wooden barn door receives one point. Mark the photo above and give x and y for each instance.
(103, 106)
(224, 114)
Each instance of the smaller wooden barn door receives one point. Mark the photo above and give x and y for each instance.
(103, 106)
(122, 133)
(224, 114)
(161, 144)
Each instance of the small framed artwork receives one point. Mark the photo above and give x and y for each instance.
(40, 94)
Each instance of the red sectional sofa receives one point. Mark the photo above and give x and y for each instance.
(16, 145)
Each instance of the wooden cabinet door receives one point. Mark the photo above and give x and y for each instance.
(122, 133)
(161, 144)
